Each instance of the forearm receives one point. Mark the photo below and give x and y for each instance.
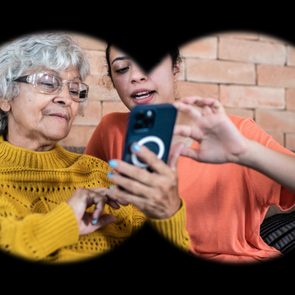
(276, 165)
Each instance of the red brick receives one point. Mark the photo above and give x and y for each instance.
(278, 136)
(271, 39)
(181, 75)
(252, 97)
(101, 88)
(240, 112)
(91, 114)
(276, 120)
(276, 76)
(290, 99)
(97, 62)
(291, 56)
(201, 48)
(290, 141)
(89, 42)
(252, 51)
(220, 71)
(200, 89)
(240, 35)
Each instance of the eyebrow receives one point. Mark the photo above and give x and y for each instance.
(120, 58)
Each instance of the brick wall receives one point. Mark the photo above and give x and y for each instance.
(252, 74)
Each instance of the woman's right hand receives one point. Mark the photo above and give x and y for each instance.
(219, 139)
(82, 199)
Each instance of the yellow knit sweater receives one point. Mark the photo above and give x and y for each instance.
(37, 223)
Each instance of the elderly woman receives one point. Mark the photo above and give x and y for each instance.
(54, 204)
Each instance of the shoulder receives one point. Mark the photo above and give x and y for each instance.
(249, 128)
(240, 121)
(91, 164)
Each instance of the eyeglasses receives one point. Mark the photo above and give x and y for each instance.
(48, 83)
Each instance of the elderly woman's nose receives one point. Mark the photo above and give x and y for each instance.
(64, 95)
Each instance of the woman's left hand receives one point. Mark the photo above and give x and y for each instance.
(154, 193)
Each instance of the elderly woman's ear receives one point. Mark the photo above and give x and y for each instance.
(4, 105)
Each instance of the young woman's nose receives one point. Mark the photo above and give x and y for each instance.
(138, 75)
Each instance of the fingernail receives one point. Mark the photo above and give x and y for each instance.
(94, 221)
(135, 147)
(110, 175)
(113, 163)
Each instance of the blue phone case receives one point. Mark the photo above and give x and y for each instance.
(152, 126)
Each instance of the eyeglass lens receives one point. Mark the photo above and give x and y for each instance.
(49, 83)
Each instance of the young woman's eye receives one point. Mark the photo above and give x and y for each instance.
(122, 70)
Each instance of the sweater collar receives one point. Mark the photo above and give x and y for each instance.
(12, 155)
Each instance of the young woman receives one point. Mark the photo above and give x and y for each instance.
(225, 203)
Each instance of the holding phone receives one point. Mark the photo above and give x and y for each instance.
(152, 126)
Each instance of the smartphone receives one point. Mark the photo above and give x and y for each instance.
(150, 125)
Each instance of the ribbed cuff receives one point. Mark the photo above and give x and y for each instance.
(57, 229)
(174, 228)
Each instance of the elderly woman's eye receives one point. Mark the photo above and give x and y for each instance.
(74, 92)
(47, 84)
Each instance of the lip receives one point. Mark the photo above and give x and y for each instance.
(147, 96)
(60, 115)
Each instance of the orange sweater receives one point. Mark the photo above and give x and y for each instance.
(225, 203)
(37, 223)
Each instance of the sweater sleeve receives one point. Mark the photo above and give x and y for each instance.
(36, 236)
(173, 228)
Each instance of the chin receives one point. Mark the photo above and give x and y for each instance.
(57, 137)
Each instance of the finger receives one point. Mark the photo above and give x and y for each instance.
(102, 191)
(106, 192)
(188, 110)
(97, 212)
(134, 186)
(111, 193)
(157, 165)
(190, 153)
(113, 203)
(103, 221)
(134, 172)
(98, 209)
(217, 107)
(207, 111)
(175, 152)
(87, 218)
(198, 100)
(187, 131)
(95, 197)
(126, 196)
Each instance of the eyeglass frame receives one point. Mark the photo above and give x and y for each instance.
(31, 79)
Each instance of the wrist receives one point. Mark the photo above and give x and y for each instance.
(247, 156)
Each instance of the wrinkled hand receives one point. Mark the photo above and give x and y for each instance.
(154, 193)
(219, 140)
(82, 199)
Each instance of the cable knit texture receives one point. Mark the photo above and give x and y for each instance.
(37, 223)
